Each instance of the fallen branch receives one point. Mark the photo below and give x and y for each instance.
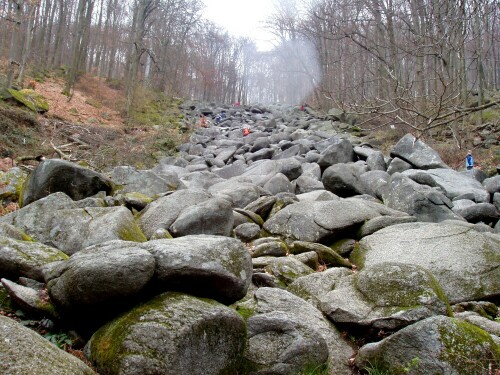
(61, 154)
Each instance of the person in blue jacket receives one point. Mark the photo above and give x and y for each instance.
(469, 160)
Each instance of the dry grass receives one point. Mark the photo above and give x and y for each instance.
(93, 103)
(89, 127)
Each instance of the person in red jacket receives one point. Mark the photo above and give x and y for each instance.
(246, 131)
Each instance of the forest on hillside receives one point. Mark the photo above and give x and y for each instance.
(420, 63)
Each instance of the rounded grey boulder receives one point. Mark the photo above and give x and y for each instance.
(437, 345)
(100, 276)
(55, 175)
(172, 334)
(215, 267)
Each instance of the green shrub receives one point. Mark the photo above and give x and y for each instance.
(61, 339)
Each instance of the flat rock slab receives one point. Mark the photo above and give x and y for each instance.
(319, 220)
(23, 351)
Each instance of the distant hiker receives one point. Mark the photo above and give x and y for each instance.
(203, 121)
(246, 131)
(469, 160)
(221, 116)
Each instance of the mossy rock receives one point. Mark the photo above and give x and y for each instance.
(5, 301)
(31, 99)
(437, 345)
(11, 183)
(176, 333)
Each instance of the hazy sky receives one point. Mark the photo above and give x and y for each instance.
(242, 18)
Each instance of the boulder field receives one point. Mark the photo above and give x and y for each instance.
(299, 247)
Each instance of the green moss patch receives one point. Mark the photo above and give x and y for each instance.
(468, 347)
(31, 99)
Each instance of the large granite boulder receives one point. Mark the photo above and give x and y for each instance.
(455, 184)
(131, 180)
(385, 296)
(207, 266)
(425, 203)
(213, 216)
(171, 334)
(417, 153)
(279, 183)
(238, 193)
(55, 175)
(292, 325)
(290, 167)
(323, 220)
(161, 214)
(100, 278)
(464, 261)
(23, 351)
(25, 258)
(279, 345)
(56, 221)
(71, 230)
(476, 212)
(437, 345)
(344, 179)
(339, 150)
(32, 219)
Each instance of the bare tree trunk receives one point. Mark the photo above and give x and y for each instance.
(14, 43)
(27, 44)
(39, 46)
(50, 30)
(112, 55)
(142, 11)
(77, 47)
(61, 21)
